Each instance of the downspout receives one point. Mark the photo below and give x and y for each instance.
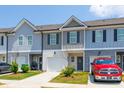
(84, 53)
(6, 47)
(42, 48)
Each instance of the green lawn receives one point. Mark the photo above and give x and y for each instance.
(76, 78)
(20, 76)
(123, 77)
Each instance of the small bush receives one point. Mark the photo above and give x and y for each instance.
(14, 67)
(25, 68)
(67, 71)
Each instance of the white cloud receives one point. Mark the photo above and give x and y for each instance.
(107, 11)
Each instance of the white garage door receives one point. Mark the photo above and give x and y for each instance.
(56, 64)
(21, 60)
(93, 57)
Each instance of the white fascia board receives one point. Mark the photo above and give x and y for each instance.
(73, 28)
(70, 19)
(22, 22)
(104, 48)
(24, 51)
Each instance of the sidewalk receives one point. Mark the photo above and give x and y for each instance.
(31, 82)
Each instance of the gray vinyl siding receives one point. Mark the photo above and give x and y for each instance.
(25, 30)
(73, 46)
(110, 43)
(46, 46)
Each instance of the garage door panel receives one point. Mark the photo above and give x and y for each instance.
(56, 64)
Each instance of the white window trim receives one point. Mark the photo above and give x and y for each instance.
(27, 40)
(98, 36)
(73, 38)
(55, 39)
(22, 40)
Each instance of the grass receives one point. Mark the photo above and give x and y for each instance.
(76, 78)
(19, 75)
(123, 77)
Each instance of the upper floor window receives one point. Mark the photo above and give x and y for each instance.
(20, 40)
(120, 35)
(30, 40)
(2, 40)
(53, 38)
(99, 36)
(73, 37)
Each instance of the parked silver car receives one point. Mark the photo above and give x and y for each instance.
(4, 67)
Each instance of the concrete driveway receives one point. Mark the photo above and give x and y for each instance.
(104, 84)
(91, 84)
(42, 80)
(31, 82)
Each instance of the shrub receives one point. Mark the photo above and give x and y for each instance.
(67, 71)
(25, 68)
(14, 67)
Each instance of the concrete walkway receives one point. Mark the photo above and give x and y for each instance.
(31, 82)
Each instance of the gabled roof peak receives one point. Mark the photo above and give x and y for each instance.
(24, 20)
(73, 18)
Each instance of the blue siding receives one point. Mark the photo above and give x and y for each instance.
(25, 30)
(110, 43)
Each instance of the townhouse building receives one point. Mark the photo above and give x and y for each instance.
(74, 43)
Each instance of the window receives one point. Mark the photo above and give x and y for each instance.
(1, 40)
(3, 59)
(120, 35)
(53, 39)
(29, 40)
(72, 59)
(118, 59)
(20, 40)
(73, 37)
(99, 36)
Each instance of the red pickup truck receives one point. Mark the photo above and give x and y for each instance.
(104, 69)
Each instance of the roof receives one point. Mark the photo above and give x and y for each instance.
(94, 23)
(105, 22)
(3, 30)
(49, 27)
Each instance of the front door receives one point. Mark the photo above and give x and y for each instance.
(40, 63)
(80, 63)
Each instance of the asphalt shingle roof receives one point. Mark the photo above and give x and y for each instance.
(95, 23)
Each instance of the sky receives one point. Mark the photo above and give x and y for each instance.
(42, 15)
